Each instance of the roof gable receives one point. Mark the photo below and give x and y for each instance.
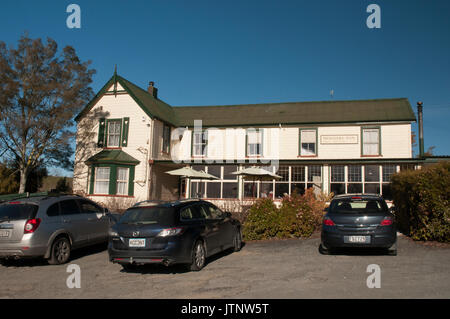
(153, 107)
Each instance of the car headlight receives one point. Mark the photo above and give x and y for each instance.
(113, 233)
(170, 232)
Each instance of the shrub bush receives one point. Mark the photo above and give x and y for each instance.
(298, 216)
(261, 220)
(421, 199)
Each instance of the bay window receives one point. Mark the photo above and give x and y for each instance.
(101, 184)
(122, 181)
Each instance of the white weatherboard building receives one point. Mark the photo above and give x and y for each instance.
(127, 138)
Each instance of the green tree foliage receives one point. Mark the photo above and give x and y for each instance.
(421, 200)
(41, 90)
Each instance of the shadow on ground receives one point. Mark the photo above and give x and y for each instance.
(357, 251)
(174, 269)
(35, 262)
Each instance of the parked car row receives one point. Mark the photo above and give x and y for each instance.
(177, 232)
(149, 232)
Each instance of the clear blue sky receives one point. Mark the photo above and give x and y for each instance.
(231, 52)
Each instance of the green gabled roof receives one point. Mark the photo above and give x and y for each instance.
(112, 157)
(153, 107)
(324, 112)
(299, 113)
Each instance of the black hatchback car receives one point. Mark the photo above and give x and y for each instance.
(179, 232)
(358, 221)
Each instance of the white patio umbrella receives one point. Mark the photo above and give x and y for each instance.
(256, 173)
(189, 172)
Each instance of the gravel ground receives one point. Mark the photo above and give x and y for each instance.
(269, 269)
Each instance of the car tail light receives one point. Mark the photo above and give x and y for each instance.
(31, 225)
(170, 232)
(387, 221)
(328, 222)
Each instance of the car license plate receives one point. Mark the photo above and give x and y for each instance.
(358, 239)
(5, 233)
(136, 242)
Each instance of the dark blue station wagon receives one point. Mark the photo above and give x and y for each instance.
(179, 232)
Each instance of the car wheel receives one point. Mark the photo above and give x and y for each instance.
(198, 256)
(323, 250)
(60, 253)
(237, 240)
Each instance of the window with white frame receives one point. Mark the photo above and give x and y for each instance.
(254, 142)
(372, 179)
(122, 180)
(388, 171)
(282, 184)
(354, 179)
(370, 141)
(308, 142)
(314, 175)
(225, 187)
(166, 139)
(101, 183)
(199, 143)
(298, 179)
(337, 179)
(113, 138)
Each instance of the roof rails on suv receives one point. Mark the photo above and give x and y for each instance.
(155, 202)
(10, 197)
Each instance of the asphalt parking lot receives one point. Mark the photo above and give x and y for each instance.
(271, 269)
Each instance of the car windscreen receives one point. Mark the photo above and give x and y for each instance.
(163, 216)
(356, 206)
(9, 212)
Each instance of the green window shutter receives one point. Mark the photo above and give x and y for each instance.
(101, 132)
(131, 181)
(91, 185)
(112, 180)
(125, 126)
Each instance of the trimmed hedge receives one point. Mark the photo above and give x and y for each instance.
(298, 216)
(421, 199)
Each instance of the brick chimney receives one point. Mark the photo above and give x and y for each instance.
(152, 90)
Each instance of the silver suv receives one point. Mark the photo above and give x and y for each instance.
(50, 227)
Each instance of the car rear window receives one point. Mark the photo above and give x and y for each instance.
(366, 206)
(148, 215)
(17, 211)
